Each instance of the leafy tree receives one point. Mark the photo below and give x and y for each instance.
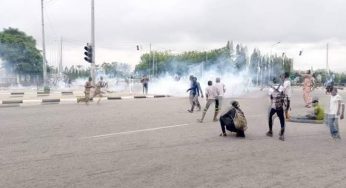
(19, 52)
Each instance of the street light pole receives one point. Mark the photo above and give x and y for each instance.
(44, 63)
(92, 70)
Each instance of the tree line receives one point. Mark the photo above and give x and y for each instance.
(21, 57)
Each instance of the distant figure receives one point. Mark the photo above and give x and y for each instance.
(177, 77)
(329, 85)
(277, 97)
(145, 81)
(221, 89)
(336, 111)
(98, 91)
(307, 88)
(193, 90)
(87, 87)
(199, 93)
(69, 82)
(227, 120)
(211, 94)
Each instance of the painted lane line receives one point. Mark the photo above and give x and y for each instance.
(136, 131)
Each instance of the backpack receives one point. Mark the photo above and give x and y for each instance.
(239, 120)
(279, 98)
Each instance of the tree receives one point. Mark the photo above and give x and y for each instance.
(19, 52)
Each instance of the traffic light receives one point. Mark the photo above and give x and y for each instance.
(137, 47)
(88, 53)
(300, 52)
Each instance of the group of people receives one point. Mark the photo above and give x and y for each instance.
(97, 92)
(232, 119)
(280, 94)
(336, 105)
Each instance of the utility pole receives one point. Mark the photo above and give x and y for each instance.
(149, 60)
(92, 70)
(327, 63)
(154, 64)
(60, 62)
(44, 63)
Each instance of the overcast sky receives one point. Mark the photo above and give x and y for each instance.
(179, 25)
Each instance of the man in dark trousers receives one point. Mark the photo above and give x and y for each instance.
(145, 81)
(277, 97)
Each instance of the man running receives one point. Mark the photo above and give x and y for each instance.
(211, 94)
(87, 86)
(193, 92)
(200, 93)
(222, 89)
(98, 92)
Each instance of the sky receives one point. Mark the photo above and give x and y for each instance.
(180, 25)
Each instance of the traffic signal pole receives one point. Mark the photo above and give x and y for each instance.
(92, 69)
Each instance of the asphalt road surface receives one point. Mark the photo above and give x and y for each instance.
(157, 143)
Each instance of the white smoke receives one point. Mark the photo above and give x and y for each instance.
(236, 83)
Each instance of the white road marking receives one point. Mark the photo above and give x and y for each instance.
(31, 101)
(135, 131)
(127, 97)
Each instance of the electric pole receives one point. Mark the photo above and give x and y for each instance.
(44, 63)
(60, 62)
(327, 63)
(92, 70)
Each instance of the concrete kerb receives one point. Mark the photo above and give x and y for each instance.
(140, 97)
(50, 100)
(11, 101)
(24, 102)
(67, 93)
(114, 98)
(17, 93)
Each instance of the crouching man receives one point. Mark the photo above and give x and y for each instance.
(234, 121)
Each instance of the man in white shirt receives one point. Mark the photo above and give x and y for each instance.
(288, 92)
(211, 94)
(335, 105)
(222, 89)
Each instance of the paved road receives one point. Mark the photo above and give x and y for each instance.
(156, 143)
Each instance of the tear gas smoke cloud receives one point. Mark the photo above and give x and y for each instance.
(237, 83)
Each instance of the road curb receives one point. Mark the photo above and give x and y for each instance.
(17, 93)
(12, 102)
(67, 93)
(29, 102)
(140, 97)
(50, 100)
(114, 98)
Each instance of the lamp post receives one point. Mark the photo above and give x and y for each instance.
(44, 64)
